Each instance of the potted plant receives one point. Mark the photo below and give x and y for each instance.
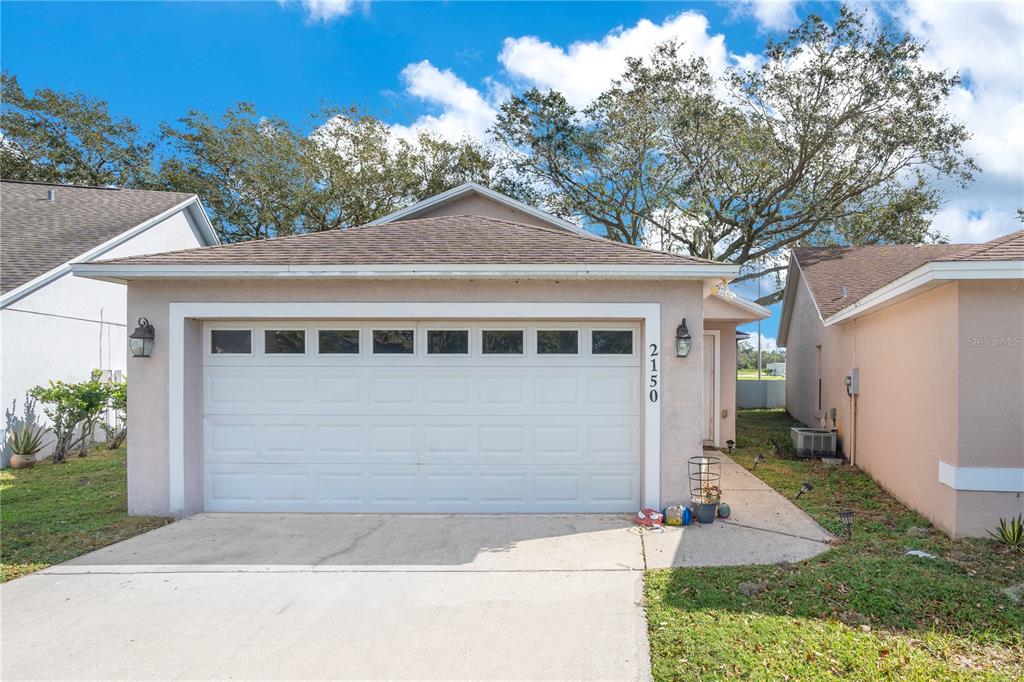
(24, 443)
(706, 504)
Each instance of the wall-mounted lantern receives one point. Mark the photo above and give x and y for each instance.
(682, 340)
(141, 340)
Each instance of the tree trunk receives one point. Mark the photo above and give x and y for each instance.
(118, 438)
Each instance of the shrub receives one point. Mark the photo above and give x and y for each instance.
(118, 402)
(73, 410)
(23, 434)
(1011, 533)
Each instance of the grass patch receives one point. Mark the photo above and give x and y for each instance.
(860, 611)
(55, 512)
(751, 374)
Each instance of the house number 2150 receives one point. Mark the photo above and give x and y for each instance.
(652, 394)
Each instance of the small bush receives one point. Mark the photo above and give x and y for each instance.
(1011, 533)
(73, 410)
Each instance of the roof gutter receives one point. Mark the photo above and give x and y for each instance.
(928, 276)
(192, 205)
(126, 272)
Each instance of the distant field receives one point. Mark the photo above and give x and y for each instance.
(752, 374)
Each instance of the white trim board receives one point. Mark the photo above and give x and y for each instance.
(928, 276)
(124, 272)
(986, 479)
(649, 315)
(192, 205)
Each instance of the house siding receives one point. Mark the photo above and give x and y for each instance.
(907, 410)
(941, 380)
(148, 410)
(991, 396)
(70, 326)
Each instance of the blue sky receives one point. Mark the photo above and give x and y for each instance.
(447, 66)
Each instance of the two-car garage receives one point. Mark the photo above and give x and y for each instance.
(502, 415)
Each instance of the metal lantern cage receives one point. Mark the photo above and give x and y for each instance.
(705, 486)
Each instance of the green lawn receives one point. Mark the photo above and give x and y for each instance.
(860, 611)
(55, 512)
(751, 374)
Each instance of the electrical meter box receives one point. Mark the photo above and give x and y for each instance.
(853, 382)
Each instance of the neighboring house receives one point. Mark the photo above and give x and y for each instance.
(468, 354)
(53, 325)
(930, 339)
(777, 369)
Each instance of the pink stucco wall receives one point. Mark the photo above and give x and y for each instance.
(939, 382)
(148, 409)
(990, 341)
(726, 379)
(907, 410)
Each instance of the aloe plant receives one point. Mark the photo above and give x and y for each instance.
(26, 441)
(1011, 532)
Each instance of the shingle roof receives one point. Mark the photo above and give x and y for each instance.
(1007, 247)
(37, 235)
(442, 240)
(864, 269)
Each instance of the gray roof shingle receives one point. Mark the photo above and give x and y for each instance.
(864, 269)
(37, 235)
(442, 240)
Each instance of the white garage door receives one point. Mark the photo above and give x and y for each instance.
(422, 417)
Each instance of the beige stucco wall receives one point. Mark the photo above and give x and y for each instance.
(942, 379)
(475, 204)
(991, 395)
(806, 332)
(726, 379)
(148, 402)
(907, 410)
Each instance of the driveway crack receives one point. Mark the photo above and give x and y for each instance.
(349, 547)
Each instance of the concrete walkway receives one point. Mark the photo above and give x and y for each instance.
(531, 597)
(764, 528)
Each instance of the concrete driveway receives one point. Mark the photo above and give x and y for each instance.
(528, 597)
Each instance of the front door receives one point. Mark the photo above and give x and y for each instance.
(710, 388)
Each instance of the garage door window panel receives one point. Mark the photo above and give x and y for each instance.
(231, 341)
(611, 342)
(447, 342)
(558, 342)
(284, 341)
(502, 341)
(394, 341)
(338, 341)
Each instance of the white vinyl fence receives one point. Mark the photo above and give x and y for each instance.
(764, 393)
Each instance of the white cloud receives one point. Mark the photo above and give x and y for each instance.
(464, 110)
(584, 69)
(981, 41)
(963, 223)
(990, 101)
(327, 11)
(581, 71)
(767, 342)
(772, 15)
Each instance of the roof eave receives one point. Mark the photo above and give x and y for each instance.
(192, 205)
(923, 278)
(793, 275)
(127, 272)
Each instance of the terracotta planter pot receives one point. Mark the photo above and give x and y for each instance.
(22, 461)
